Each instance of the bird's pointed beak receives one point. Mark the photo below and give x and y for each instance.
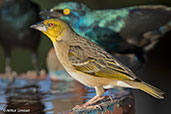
(51, 13)
(39, 26)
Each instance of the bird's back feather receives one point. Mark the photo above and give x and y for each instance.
(89, 58)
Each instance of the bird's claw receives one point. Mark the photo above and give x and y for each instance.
(99, 107)
(110, 98)
(76, 107)
(36, 74)
(83, 107)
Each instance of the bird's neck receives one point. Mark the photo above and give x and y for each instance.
(61, 50)
(62, 46)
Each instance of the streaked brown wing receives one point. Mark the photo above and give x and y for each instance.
(98, 66)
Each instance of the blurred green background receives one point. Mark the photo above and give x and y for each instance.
(156, 71)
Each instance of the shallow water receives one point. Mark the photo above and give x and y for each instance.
(39, 96)
(20, 95)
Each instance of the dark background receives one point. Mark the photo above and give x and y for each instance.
(157, 70)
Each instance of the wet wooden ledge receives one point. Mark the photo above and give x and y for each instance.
(123, 104)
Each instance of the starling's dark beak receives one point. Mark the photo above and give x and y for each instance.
(51, 13)
(39, 26)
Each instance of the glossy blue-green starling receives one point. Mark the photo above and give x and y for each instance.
(15, 18)
(126, 30)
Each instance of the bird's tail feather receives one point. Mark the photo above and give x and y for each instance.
(155, 92)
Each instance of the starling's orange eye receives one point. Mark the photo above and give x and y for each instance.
(51, 25)
(66, 11)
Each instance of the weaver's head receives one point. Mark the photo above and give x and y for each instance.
(53, 28)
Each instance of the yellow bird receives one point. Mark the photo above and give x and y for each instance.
(88, 63)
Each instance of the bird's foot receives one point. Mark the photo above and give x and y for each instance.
(93, 103)
(36, 74)
(8, 69)
(82, 107)
(9, 72)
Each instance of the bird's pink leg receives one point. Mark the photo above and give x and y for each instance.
(95, 99)
(90, 103)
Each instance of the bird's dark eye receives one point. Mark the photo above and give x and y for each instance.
(51, 25)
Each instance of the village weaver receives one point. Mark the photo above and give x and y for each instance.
(89, 64)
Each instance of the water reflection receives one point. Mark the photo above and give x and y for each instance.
(39, 96)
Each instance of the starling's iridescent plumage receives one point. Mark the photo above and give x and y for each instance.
(126, 30)
(15, 18)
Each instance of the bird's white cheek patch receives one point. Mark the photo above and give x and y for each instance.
(122, 84)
